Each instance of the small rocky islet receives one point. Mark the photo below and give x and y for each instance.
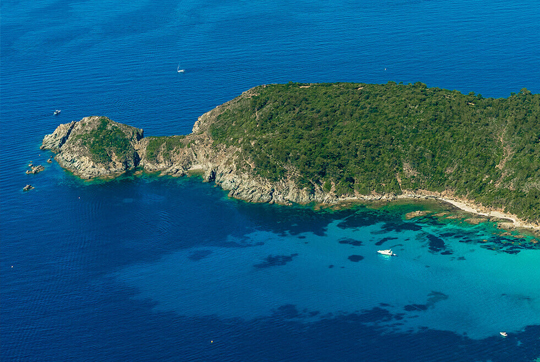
(34, 169)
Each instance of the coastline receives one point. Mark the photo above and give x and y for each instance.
(469, 206)
(197, 154)
(506, 221)
(515, 224)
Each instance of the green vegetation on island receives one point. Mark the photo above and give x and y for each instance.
(105, 140)
(164, 144)
(349, 138)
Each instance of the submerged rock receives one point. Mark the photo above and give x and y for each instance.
(414, 214)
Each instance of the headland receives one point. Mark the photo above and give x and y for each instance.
(338, 142)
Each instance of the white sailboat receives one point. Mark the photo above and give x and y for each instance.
(178, 70)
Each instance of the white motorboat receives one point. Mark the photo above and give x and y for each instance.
(504, 334)
(57, 112)
(387, 252)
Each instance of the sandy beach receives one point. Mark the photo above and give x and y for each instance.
(468, 206)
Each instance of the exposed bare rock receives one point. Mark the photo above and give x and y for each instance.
(57, 139)
(95, 147)
(35, 169)
(86, 148)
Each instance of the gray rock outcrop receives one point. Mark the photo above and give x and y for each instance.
(95, 147)
(34, 169)
(86, 149)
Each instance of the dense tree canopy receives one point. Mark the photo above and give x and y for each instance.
(352, 137)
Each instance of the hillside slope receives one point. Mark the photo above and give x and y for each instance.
(328, 142)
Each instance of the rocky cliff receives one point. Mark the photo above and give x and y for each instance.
(294, 143)
(97, 147)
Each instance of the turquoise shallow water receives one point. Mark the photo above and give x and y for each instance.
(146, 269)
(471, 290)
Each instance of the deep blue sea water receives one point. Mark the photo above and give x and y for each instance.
(151, 269)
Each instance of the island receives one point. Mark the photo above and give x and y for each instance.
(334, 142)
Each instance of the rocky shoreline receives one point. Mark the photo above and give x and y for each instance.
(504, 220)
(126, 149)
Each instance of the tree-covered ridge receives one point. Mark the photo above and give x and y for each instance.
(360, 138)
